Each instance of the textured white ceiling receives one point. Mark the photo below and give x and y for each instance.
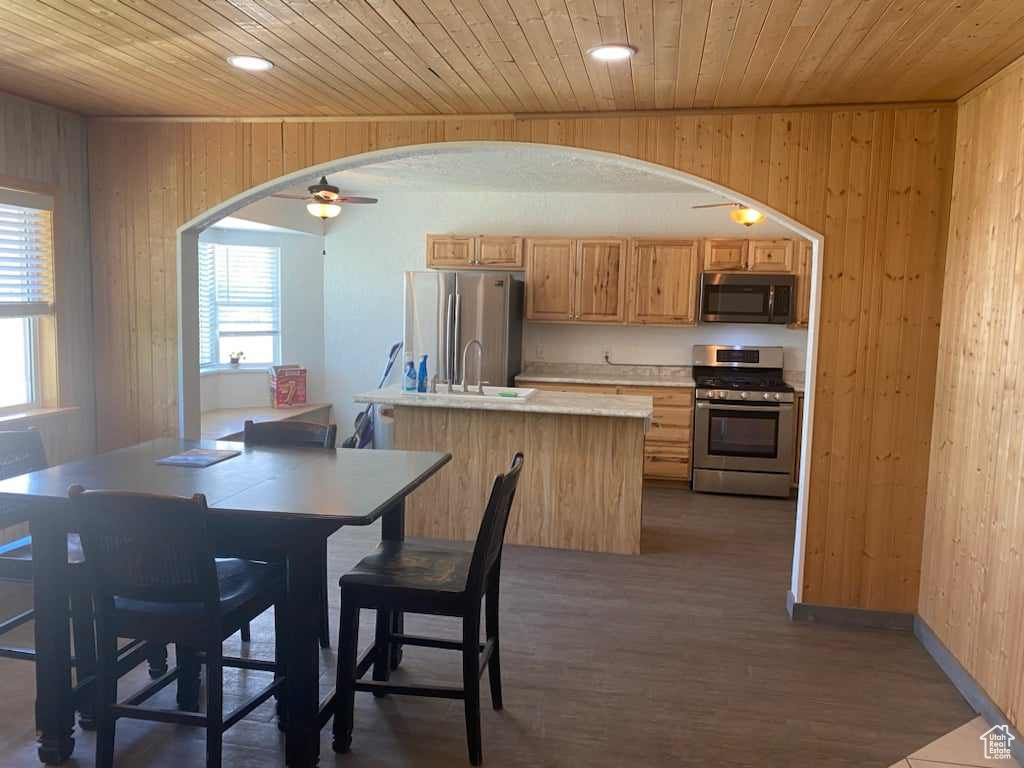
(512, 169)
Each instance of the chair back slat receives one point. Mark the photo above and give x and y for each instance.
(21, 452)
(491, 536)
(294, 433)
(146, 547)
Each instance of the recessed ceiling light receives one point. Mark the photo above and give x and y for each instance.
(612, 52)
(250, 63)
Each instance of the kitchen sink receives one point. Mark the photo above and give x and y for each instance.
(490, 395)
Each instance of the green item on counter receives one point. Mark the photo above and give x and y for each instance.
(508, 394)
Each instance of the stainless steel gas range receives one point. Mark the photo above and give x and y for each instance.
(743, 421)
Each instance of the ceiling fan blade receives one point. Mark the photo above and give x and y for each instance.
(715, 205)
(357, 199)
(286, 196)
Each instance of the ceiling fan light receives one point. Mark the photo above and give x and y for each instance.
(748, 217)
(323, 210)
(612, 52)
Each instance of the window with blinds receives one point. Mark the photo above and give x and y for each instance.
(26, 291)
(239, 304)
(26, 253)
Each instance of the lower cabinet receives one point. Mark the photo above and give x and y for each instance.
(668, 445)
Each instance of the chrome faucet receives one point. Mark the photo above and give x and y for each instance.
(479, 366)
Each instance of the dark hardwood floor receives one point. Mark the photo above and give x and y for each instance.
(683, 656)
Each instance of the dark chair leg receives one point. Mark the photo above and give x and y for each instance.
(156, 655)
(246, 633)
(494, 665)
(84, 632)
(280, 654)
(345, 697)
(188, 679)
(325, 619)
(382, 648)
(106, 695)
(471, 682)
(214, 705)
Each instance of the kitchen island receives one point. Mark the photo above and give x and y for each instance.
(582, 482)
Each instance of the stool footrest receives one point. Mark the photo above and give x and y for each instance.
(433, 692)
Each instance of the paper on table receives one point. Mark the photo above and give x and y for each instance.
(197, 457)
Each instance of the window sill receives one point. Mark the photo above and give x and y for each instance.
(13, 418)
(264, 369)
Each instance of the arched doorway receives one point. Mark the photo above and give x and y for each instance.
(187, 272)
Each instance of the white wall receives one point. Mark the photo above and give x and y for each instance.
(369, 247)
(302, 320)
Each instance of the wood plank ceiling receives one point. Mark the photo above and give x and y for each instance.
(384, 57)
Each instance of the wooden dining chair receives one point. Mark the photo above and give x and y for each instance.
(151, 567)
(22, 451)
(297, 434)
(438, 578)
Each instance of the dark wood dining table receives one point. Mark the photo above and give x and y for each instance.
(265, 503)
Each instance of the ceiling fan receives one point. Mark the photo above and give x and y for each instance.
(741, 213)
(324, 200)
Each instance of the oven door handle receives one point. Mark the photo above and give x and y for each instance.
(778, 407)
(771, 303)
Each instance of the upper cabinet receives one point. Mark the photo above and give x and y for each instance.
(724, 254)
(770, 255)
(802, 311)
(450, 251)
(474, 252)
(663, 277)
(494, 252)
(550, 278)
(600, 280)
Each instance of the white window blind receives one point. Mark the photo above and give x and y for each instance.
(239, 303)
(26, 253)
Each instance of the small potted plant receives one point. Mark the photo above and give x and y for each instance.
(235, 358)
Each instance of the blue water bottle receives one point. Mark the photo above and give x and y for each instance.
(409, 379)
(421, 382)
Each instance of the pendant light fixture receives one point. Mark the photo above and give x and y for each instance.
(748, 217)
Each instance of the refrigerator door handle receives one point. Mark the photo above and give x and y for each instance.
(448, 339)
(456, 326)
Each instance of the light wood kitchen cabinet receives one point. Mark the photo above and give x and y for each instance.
(550, 278)
(802, 310)
(474, 252)
(668, 444)
(770, 255)
(600, 280)
(494, 252)
(725, 254)
(663, 276)
(450, 251)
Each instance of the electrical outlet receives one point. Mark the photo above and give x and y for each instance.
(606, 355)
(540, 351)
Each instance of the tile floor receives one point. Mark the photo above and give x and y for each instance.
(962, 747)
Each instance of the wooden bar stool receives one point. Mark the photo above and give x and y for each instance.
(297, 434)
(151, 567)
(438, 578)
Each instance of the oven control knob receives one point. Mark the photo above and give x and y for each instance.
(765, 396)
(778, 396)
(743, 395)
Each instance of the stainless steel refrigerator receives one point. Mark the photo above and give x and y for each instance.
(444, 311)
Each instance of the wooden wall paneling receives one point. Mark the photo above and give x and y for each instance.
(44, 148)
(974, 533)
(838, 171)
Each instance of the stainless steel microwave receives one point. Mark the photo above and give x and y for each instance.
(743, 297)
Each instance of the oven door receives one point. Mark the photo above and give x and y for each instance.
(746, 438)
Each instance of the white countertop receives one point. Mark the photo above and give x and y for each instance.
(625, 376)
(568, 403)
